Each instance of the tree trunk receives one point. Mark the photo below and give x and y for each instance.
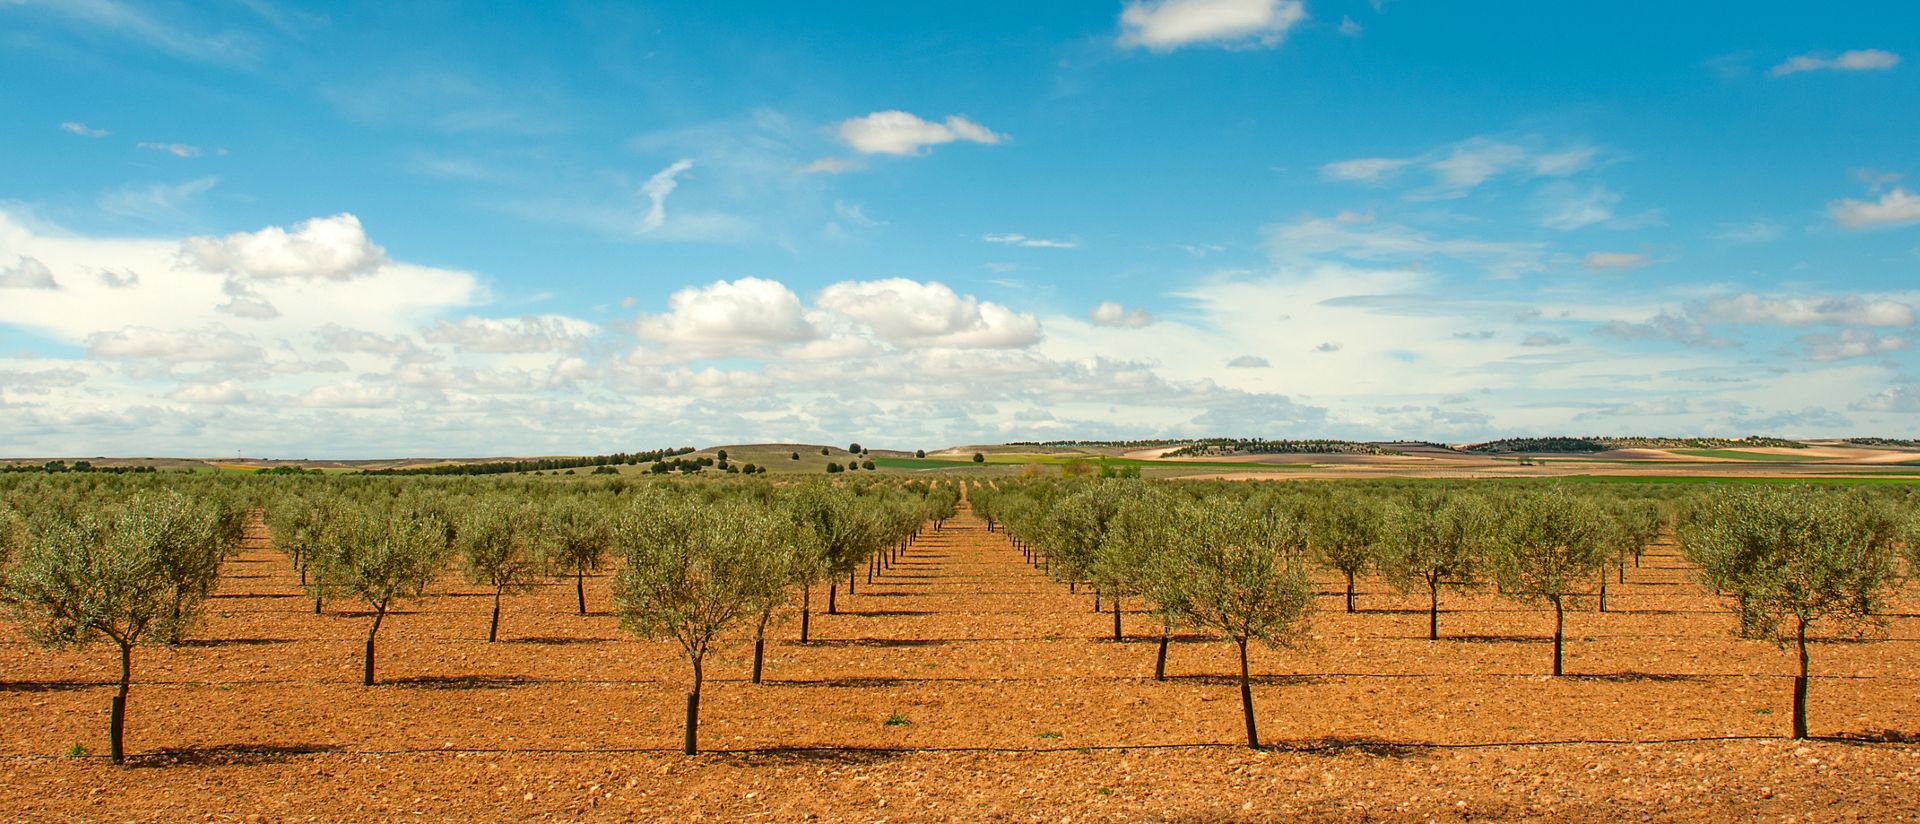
(1246, 697)
(1800, 685)
(379, 614)
(1349, 592)
(833, 596)
(1433, 610)
(1603, 589)
(806, 609)
(580, 588)
(1160, 661)
(1116, 619)
(303, 573)
(493, 626)
(759, 650)
(1559, 633)
(117, 719)
(850, 577)
(692, 744)
(316, 605)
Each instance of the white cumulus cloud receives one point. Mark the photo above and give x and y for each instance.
(745, 311)
(1164, 25)
(330, 248)
(28, 273)
(530, 333)
(915, 314)
(1896, 207)
(1109, 313)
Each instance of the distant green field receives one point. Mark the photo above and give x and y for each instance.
(1005, 459)
(1738, 455)
(919, 463)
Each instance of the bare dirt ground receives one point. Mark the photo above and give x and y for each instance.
(1008, 699)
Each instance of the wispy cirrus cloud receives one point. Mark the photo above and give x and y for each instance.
(1858, 60)
(1012, 239)
(75, 127)
(1454, 170)
(905, 134)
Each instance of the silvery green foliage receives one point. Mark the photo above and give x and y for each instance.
(1344, 531)
(1142, 533)
(1236, 569)
(1436, 537)
(1789, 556)
(1548, 545)
(576, 532)
(1075, 527)
(125, 572)
(498, 543)
(695, 571)
(381, 551)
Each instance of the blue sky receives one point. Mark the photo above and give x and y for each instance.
(356, 229)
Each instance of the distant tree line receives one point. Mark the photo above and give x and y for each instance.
(1262, 446)
(1602, 444)
(534, 465)
(52, 467)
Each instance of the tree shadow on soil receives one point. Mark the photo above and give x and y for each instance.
(227, 755)
(839, 682)
(1633, 677)
(1498, 639)
(1336, 745)
(550, 641)
(807, 756)
(1300, 680)
(1882, 736)
(887, 613)
(259, 595)
(871, 642)
(463, 682)
(208, 643)
(51, 686)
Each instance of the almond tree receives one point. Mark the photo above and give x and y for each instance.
(694, 573)
(497, 541)
(1548, 545)
(1790, 558)
(105, 574)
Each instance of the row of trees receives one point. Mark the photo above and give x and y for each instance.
(697, 564)
(1234, 560)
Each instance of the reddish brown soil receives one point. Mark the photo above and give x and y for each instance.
(1017, 706)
